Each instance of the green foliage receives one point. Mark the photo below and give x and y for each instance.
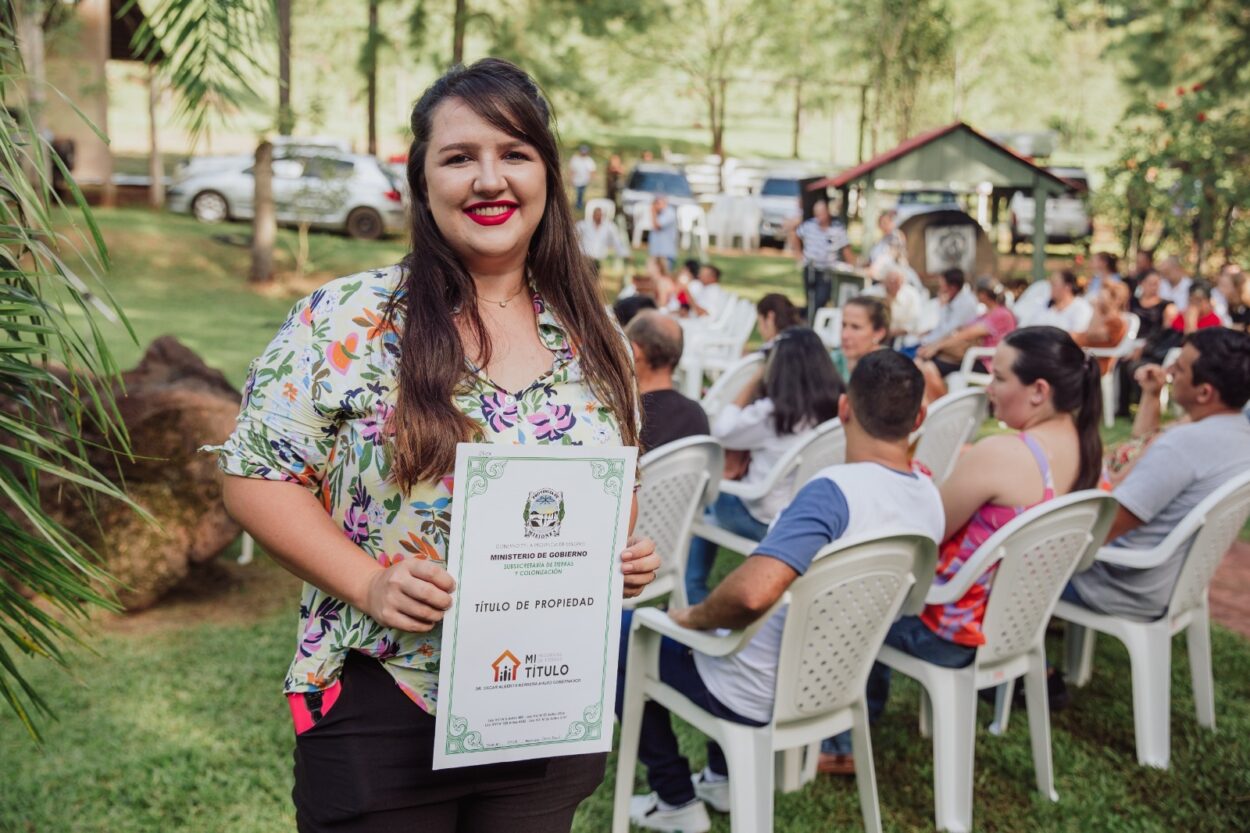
(212, 51)
(1182, 174)
(50, 318)
(1193, 41)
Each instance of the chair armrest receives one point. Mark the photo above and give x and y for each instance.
(1138, 559)
(708, 643)
(971, 356)
(739, 490)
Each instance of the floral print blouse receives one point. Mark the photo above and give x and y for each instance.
(314, 409)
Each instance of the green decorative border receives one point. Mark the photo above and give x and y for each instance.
(480, 471)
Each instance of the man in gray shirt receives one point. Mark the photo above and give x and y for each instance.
(959, 306)
(1211, 382)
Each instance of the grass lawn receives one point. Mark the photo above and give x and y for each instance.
(175, 722)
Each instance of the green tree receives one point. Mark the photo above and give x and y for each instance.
(56, 375)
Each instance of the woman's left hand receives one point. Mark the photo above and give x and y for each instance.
(639, 564)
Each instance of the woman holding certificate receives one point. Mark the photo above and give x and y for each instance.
(491, 330)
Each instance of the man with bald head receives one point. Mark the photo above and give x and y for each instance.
(666, 414)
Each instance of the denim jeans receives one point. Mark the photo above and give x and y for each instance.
(668, 771)
(911, 636)
(729, 513)
(580, 201)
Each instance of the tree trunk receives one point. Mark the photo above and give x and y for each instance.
(457, 37)
(264, 222)
(156, 170)
(29, 21)
(863, 122)
(286, 117)
(371, 79)
(798, 117)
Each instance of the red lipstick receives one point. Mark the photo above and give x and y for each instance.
(492, 219)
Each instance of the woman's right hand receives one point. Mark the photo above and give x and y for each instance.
(410, 595)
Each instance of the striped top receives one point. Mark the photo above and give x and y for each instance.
(822, 245)
(960, 622)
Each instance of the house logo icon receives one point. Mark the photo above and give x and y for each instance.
(506, 667)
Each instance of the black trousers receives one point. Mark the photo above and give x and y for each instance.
(365, 768)
(817, 289)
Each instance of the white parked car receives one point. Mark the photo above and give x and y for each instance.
(649, 179)
(319, 185)
(779, 200)
(1067, 216)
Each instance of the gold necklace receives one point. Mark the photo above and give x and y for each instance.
(504, 303)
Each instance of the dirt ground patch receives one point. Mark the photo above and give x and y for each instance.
(222, 592)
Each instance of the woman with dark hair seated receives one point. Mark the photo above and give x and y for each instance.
(1046, 389)
(774, 315)
(796, 390)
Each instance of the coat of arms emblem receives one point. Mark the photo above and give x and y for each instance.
(544, 510)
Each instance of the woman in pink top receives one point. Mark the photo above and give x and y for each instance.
(945, 356)
(1046, 389)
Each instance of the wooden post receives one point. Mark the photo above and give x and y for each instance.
(156, 169)
(1039, 229)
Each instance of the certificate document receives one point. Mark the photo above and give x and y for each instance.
(530, 644)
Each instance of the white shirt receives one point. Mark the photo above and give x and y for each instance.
(1074, 319)
(1178, 294)
(841, 502)
(752, 429)
(905, 309)
(600, 241)
(710, 296)
(582, 168)
(958, 312)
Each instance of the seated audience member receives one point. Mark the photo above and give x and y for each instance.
(945, 356)
(1107, 328)
(865, 328)
(774, 314)
(626, 308)
(875, 489)
(600, 239)
(665, 288)
(1231, 297)
(707, 296)
(1175, 285)
(958, 306)
(1184, 464)
(1143, 263)
(799, 391)
(1067, 310)
(1200, 313)
(1103, 270)
(1149, 306)
(903, 300)
(1047, 390)
(666, 414)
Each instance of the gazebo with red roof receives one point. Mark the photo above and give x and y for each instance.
(952, 158)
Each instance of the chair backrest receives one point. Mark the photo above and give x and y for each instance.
(729, 384)
(950, 423)
(826, 448)
(1132, 326)
(689, 217)
(838, 615)
(1212, 525)
(678, 480)
(828, 325)
(1036, 554)
(607, 206)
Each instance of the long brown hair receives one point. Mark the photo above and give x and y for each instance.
(426, 424)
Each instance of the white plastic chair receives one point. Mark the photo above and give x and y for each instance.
(729, 384)
(823, 447)
(1203, 537)
(967, 376)
(1111, 379)
(692, 226)
(950, 423)
(838, 613)
(828, 325)
(1035, 555)
(678, 480)
(642, 222)
(716, 346)
(606, 206)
